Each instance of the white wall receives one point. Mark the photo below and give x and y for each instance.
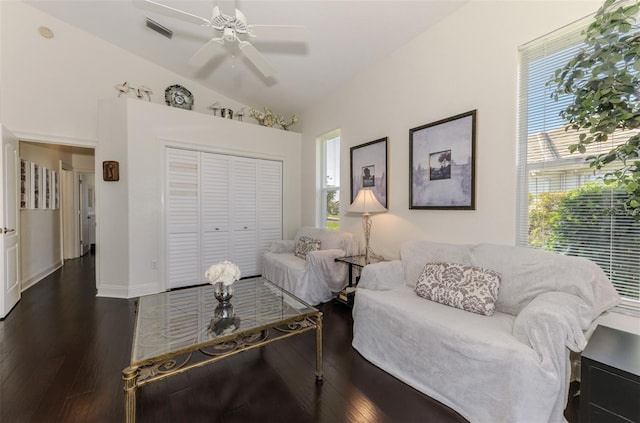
(468, 61)
(49, 92)
(50, 87)
(130, 212)
(40, 228)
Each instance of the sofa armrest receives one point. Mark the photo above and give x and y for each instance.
(328, 254)
(280, 247)
(382, 276)
(551, 321)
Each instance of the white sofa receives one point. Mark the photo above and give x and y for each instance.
(317, 278)
(512, 366)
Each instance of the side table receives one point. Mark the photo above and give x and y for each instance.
(346, 296)
(610, 377)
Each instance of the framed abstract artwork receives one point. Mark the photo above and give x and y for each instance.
(369, 169)
(442, 164)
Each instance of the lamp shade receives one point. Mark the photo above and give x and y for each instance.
(366, 202)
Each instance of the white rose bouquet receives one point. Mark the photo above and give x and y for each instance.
(225, 272)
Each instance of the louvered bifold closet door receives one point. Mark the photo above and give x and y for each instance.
(216, 228)
(269, 203)
(244, 239)
(182, 219)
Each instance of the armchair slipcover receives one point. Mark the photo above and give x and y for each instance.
(317, 278)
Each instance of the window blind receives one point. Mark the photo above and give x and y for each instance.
(563, 205)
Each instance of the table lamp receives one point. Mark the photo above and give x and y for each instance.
(366, 203)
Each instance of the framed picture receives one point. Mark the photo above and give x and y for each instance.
(55, 184)
(46, 188)
(35, 199)
(110, 171)
(442, 164)
(369, 169)
(25, 184)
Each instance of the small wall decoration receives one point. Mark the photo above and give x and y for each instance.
(55, 189)
(369, 169)
(178, 96)
(46, 188)
(39, 187)
(25, 184)
(442, 164)
(35, 200)
(110, 171)
(141, 91)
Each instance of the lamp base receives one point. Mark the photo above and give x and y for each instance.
(368, 252)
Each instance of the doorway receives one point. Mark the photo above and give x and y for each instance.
(51, 236)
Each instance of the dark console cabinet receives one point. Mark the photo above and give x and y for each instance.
(610, 377)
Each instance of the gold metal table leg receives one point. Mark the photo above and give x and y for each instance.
(129, 377)
(319, 347)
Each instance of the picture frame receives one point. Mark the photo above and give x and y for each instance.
(35, 192)
(369, 169)
(442, 164)
(46, 188)
(110, 171)
(55, 181)
(25, 184)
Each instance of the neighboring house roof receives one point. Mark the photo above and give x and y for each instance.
(550, 150)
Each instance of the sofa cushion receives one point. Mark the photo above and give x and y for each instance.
(416, 253)
(305, 245)
(466, 287)
(527, 273)
(329, 239)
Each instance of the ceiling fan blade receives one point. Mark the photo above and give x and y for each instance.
(279, 32)
(256, 58)
(206, 52)
(152, 6)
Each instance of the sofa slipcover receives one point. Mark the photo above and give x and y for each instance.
(317, 278)
(512, 366)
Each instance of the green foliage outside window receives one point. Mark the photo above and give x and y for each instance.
(559, 221)
(333, 211)
(603, 81)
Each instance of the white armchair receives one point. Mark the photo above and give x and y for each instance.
(316, 278)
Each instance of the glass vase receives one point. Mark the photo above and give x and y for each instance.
(223, 292)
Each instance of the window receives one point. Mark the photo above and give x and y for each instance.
(563, 205)
(330, 180)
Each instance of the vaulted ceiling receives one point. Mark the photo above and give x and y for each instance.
(344, 37)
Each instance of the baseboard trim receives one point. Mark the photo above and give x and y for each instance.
(126, 292)
(28, 283)
(113, 291)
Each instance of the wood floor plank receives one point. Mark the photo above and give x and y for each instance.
(62, 351)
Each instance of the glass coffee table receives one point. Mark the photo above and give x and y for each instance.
(180, 330)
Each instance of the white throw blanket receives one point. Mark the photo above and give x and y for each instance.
(510, 367)
(316, 279)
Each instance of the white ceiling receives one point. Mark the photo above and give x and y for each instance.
(344, 37)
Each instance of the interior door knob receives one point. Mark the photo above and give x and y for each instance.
(6, 230)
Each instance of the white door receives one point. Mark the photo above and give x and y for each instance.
(244, 248)
(84, 214)
(182, 214)
(9, 247)
(69, 215)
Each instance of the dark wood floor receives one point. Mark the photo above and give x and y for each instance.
(62, 351)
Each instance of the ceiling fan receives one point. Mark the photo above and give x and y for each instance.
(229, 30)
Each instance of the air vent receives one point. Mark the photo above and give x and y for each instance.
(159, 28)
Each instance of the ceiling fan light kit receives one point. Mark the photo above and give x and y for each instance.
(229, 28)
